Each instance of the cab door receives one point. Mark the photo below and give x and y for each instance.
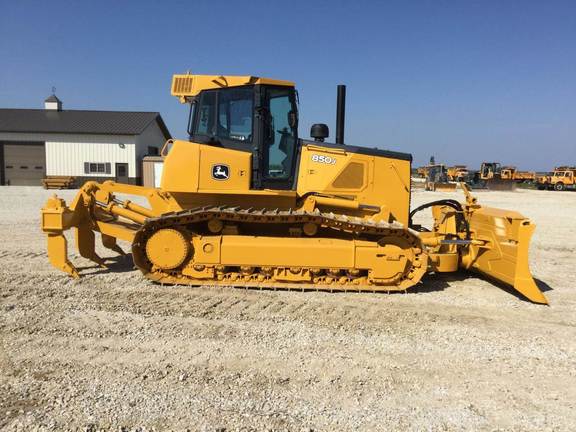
(279, 139)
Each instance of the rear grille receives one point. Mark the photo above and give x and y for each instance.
(182, 85)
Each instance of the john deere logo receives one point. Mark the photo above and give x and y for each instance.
(220, 172)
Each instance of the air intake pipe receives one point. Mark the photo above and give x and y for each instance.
(340, 113)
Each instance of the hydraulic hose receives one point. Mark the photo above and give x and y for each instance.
(445, 202)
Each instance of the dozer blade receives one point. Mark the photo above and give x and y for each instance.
(497, 184)
(445, 187)
(504, 255)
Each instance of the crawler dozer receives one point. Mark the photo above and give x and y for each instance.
(245, 202)
(437, 179)
(491, 177)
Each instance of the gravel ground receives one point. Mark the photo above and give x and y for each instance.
(113, 351)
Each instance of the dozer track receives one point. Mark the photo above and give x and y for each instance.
(284, 249)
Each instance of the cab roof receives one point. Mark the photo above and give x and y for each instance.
(187, 86)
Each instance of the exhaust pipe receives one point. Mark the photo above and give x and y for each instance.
(340, 113)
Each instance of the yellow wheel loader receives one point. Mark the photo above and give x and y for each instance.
(246, 202)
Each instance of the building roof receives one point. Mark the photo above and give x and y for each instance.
(52, 98)
(79, 121)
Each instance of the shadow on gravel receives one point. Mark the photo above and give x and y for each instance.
(440, 281)
(117, 264)
(542, 286)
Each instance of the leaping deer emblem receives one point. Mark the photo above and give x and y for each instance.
(220, 172)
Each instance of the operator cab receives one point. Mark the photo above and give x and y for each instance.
(260, 119)
(259, 116)
(490, 167)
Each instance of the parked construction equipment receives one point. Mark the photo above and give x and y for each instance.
(245, 202)
(422, 172)
(563, 178)
(457, 173)
(59, 182)
(490, 170)
(490, 177)
(511, 173)
(437, 178)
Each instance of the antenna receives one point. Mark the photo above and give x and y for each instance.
(53, 90)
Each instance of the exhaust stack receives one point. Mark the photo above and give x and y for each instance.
(340, 113)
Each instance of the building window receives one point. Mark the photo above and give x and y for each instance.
(97, 167)
(153, 151)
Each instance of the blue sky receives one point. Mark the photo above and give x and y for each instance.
(464, 80)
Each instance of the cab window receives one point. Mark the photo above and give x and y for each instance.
(225, 115)
(280, 135)
(205, 114)
(235, 109)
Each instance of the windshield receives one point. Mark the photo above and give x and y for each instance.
(226, 114)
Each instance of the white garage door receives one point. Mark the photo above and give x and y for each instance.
(24, 164)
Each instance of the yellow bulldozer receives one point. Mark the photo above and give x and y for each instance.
(246, 202)
(491, 177)
(437, 179)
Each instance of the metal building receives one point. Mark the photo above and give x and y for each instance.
(88, 145)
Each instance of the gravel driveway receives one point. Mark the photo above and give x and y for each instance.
(113, 350)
